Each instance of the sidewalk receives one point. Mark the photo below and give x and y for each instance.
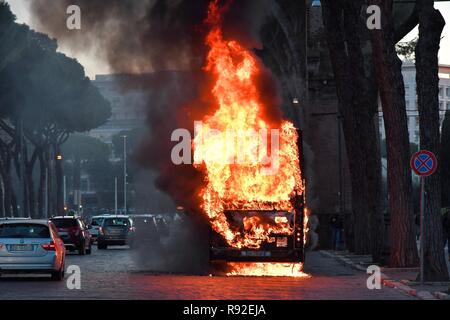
(404, 279)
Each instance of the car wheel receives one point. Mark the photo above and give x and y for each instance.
(82, 250)
(58, 275)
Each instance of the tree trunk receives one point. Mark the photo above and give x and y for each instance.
(29, 169)
(392, 93)
(374, 188)
(30, 190)
(365, 108)
(444, 164)
(431, 25)
(50, 190)
(15, 210)
(41, 190)
(22, 158)
(358, 107)
(7, 187)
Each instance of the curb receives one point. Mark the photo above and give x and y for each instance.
(401, 285)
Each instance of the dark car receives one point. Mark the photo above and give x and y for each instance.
(115, 231)
(163, 227)
(147, 231)
(74, 233)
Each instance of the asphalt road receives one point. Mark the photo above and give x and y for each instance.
(118, 274)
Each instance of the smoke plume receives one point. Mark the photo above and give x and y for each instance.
(139, 36)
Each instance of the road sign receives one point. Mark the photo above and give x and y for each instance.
(424, 163)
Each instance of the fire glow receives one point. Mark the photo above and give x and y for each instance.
(268, 269)
(238, 106)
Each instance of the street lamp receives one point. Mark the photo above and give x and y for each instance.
(125, 174)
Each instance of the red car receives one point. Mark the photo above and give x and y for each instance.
(74, 233)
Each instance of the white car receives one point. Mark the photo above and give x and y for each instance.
(31, 246)
(94, 226)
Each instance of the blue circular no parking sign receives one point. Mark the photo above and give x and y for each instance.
(424, 163)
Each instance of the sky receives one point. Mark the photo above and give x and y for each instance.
(94, 65)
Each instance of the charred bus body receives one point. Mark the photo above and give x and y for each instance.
(279, 247)
(285, 247)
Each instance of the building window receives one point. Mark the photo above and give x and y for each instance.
(448, 105)
(441, 92)
(441, 105)
(448, 92)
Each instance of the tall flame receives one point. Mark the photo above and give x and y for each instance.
(236, 163)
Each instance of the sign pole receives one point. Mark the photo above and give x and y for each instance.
(424, 164)
(422, 227)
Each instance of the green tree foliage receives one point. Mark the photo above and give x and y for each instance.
(85, 148)
(44, 97)
(54, 92)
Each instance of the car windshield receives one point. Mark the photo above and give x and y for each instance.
(144, 223)
(96, 222)
(65, 223)
(24, 230)
(117, 222)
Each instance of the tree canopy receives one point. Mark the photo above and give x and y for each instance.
(45, 96)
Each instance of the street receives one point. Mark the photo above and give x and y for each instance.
(112, 274)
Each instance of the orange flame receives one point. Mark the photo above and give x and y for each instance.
(267, 269)
(235, 157)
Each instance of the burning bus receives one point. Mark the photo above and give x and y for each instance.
(254, 192)
(268, 232)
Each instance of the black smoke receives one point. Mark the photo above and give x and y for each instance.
(138, 36)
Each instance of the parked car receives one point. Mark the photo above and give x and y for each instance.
(95, 225)
(115, 231)
(163, 226)
(7, 218)
(147, 233)
(31, 246)
(74, 233)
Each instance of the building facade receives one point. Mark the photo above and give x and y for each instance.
(127, 107)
